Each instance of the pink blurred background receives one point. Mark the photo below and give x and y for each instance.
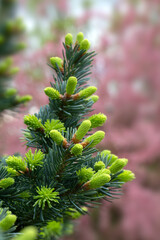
(126, 36)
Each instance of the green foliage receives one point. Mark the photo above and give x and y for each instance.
(85, 174)
(53, 125)
(34, 160)
(53, 228)
(46, 196)
(74, 213)
(11, 29)
(28, 233)
(32, 122)
(6, 182)
(7, 222)
(66, 172)
(16, 163)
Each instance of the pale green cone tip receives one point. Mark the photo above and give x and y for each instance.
(52, 93)
(85, 45)
(71, 85)
(97, 120)
(87, 92)
(96, 138)
(56, 136)
(118, 165)
(56, 61)
(83, 129)
(77, 149)
(68, 39)
(80, 37)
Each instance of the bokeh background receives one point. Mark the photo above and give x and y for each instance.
(126, 36)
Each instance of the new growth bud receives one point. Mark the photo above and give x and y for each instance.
(85, 45)
(28, 233)
(118, 165)
(52, 93)
(96, 138)
(93, 98)
(126, 176)
(10, 92)
(80, 37)
(8, 222)
(77, 149)
(104, 153)
(71, 85)
(56, 61)
(6, 182)
(82, 130)
(85, 174)
(112, 158)
(33, 122)
(16, 163)
(56, 137)
(97, 120)
(23, 99)
(99, 165)
(97, 181)
(68, 39)
(87, 92)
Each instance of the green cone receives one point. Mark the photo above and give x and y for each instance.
(83, 129)
(71, 85)
(118, 165)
